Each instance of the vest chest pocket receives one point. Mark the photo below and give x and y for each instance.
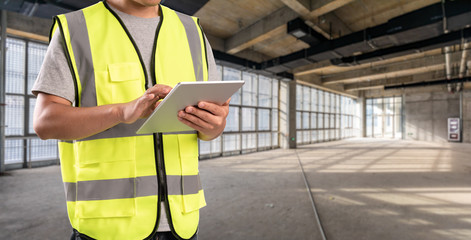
(120, 83)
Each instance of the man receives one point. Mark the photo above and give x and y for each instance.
(105, 70)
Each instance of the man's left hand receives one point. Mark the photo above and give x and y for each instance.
(209, 119)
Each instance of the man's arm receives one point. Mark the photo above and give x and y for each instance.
(55, 118)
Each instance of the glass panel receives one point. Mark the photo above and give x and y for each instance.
(369, 108)
(249, 90)
(249, 141)
(320, 120)
(314, 100)
(216, 145)
(264, 140)
(275, 139)
(378, 108)
(13, 151)
(36, 53)
(306, 98)
(326, 121)
(314, 136)
(232, 122)
(314, 120)
(299, 97)
(388, 106)
(298, 120)
(275, 93)
(306, 120)
(306, 136)
(398, 127)
(40, 150)
(274, 120)
(248, 119)
(15, 66)
(321, 100)
(263, 119)
(378, 126)
(231, 142)
(264, 92)
(332, 121)
(232, 74)
(32, 103)
(299, 137)
(204, 147)
(14, 113)
(397, 108)
(388, 126)
(327, 102)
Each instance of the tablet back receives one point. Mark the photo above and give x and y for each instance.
(164, 118)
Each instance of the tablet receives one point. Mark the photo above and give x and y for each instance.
(164, 118)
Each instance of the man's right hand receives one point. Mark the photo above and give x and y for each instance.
(145, 105)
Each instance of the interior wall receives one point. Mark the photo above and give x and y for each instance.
(426, 115)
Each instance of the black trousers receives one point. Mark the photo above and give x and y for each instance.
(158, 236)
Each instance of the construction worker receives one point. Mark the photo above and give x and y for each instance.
(106, 67)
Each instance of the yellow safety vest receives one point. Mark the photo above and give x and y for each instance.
(116, 179)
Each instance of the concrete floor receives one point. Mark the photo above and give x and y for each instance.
(364, 189)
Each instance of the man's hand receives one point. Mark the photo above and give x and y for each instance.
(209, 119)
(145, 105)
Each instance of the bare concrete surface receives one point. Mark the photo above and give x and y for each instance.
(364, 189)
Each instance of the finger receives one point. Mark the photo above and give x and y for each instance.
(190, 124)
(195, 120)
(213, 108)
(200, 113)
(160, 90)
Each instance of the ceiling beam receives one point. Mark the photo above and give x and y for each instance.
(321, 7)
(268, 26)
(405, 68)
(326, 68)
(330, 25)
(428, 76)
(261, 30)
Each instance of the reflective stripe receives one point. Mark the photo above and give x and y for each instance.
(130, 188)
(83, 56)
(183, 185)
(195, 44)
(111, 189)
(185, 132)
(118, 131)
(70, 191)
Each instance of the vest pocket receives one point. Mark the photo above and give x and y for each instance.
(122, 82)
(105, 178)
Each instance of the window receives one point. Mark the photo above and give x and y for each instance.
(23, 62)
(252, 123)
(384, 117)
(324, 116)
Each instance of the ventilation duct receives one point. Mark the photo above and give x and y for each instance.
(431, 83)
(413, 28)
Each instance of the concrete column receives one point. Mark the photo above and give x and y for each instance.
(362, 102)
(284, 114)
(292, 114)
(2, 89)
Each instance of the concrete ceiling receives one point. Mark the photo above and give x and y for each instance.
(257, 31)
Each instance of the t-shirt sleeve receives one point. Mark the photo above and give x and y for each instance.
(55, 77)
(212, 68)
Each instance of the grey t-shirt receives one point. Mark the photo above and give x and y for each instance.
(55, 77)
